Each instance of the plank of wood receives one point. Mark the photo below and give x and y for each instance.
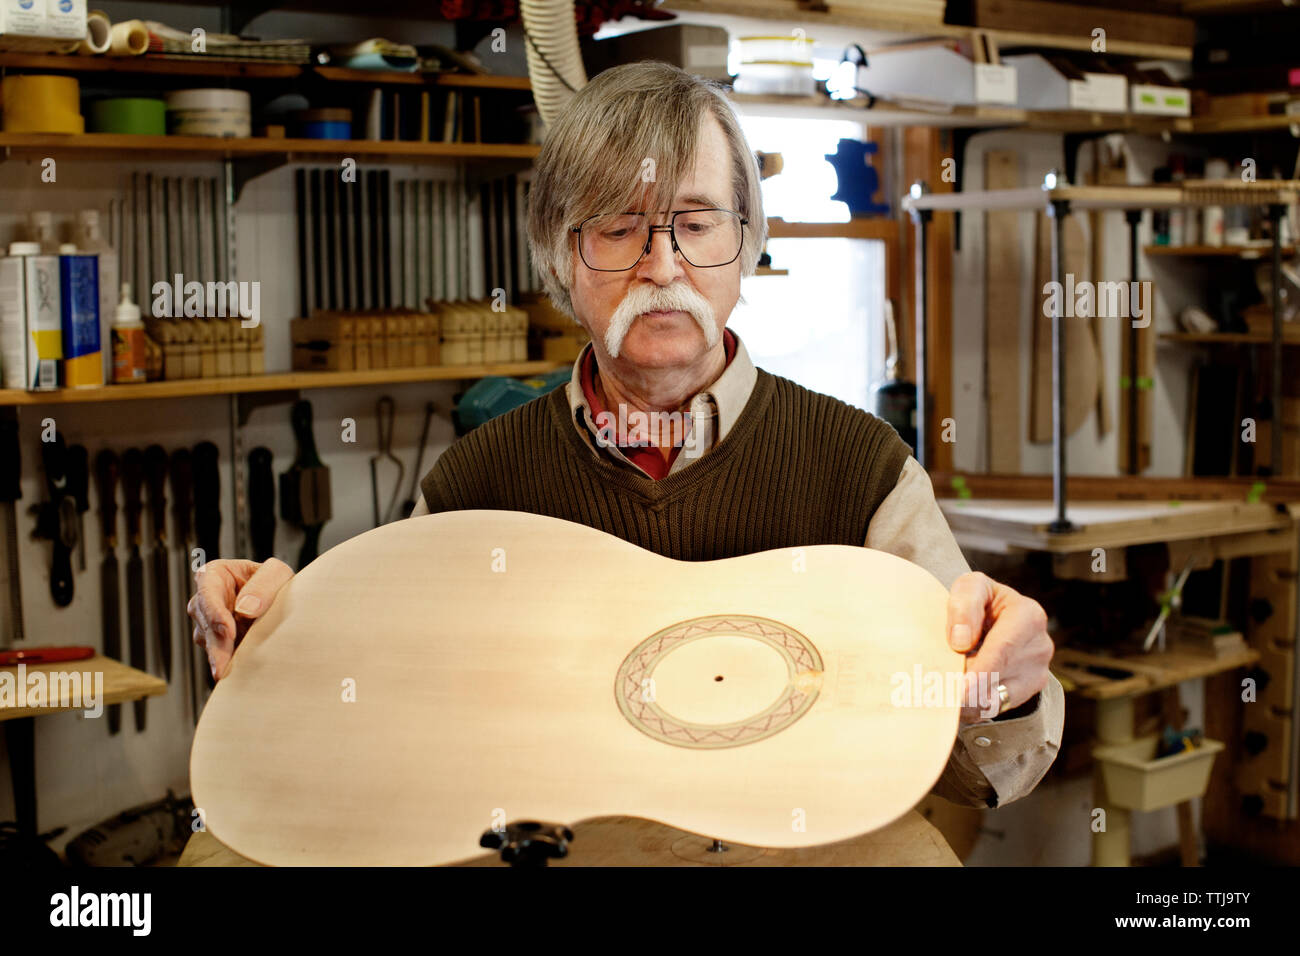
(1077, 19)
(1151, 672)
(271, 382)
(120, 684)
(1117, 488)
(1105, 524)
(1002, 288)
(484, 679)
(912, 840)
(1109, 169)
(1144, 340)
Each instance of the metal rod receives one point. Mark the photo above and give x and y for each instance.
(1134, 219)
(921, 217)
(1275, 211)
(1060, 208)
(238, 482)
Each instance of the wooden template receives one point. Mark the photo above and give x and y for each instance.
(509, 666)
(1002, 288)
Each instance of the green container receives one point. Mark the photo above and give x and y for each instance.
(139, 116)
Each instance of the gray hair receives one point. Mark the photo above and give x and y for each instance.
(632, 119)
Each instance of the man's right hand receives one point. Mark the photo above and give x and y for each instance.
(229, 595)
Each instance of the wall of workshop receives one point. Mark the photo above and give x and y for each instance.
(84, 776)
(1088, 452)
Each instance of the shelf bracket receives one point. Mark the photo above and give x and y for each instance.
(248, 402)
(246, 169)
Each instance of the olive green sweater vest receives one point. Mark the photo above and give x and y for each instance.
(796, 468)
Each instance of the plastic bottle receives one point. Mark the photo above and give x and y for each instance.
(90, 240)
(41, 227)
(128, 341)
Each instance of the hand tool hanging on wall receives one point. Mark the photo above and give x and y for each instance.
(385, 417)
(106, 487)
(409, 504)
(10, 492)
(78, 464)
(132, 485)
(207, 510)
(182, 483)
(305, 487)
(207, 501)
(56, 519)
(261, 503)
(155, 470)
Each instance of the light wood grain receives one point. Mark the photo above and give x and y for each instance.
(120, 684)
(1104, 524)
(1002, 289)
(270, 382)
(631, 841)
(482, 693)
(100, 145)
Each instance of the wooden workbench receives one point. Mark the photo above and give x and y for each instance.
(631, 841)
(998, 525)
(1197, 533)
(121, 684)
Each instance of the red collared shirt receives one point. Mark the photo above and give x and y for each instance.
(646, 457)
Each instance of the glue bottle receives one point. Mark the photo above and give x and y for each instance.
(128, 341)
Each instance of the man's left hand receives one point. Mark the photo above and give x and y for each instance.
(1004, 635)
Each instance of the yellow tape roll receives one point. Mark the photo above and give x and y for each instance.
(41, 104)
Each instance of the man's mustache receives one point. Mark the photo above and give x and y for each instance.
(676, 297)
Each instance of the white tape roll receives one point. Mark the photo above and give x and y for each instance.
(128, 38)
(98, 34)
(210, 99)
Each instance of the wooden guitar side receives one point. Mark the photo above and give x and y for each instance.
(436, 677)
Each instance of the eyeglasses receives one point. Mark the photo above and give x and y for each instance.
(616, 242)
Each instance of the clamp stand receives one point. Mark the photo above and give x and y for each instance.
(529, 843)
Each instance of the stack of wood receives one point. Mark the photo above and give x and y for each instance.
(554, 337)
(207, 348)
(359, 341)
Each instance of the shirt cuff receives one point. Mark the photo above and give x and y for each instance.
(997, 762)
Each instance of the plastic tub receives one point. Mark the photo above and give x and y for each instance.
(1136, 779)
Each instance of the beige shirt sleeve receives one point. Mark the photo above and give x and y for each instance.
(993, 762)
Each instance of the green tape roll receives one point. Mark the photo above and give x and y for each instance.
(129, 114)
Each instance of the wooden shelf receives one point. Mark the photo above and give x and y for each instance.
(241, 69)
(1226, 252)
(1215, 338)
(861, 228)
(113, 144)
(1106, 197)
(917, 27)
(464, 80)
(271, 382)
(251, 70)
(121, 684)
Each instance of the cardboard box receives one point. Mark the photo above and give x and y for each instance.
(13, 323)
(698, 49)
(42, 26)
(938, 72)
(1054, 83)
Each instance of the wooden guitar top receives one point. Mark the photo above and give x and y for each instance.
(443, 675)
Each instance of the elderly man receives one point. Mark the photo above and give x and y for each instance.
(646, 214)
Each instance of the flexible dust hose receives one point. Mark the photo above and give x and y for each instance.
(554, 60)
